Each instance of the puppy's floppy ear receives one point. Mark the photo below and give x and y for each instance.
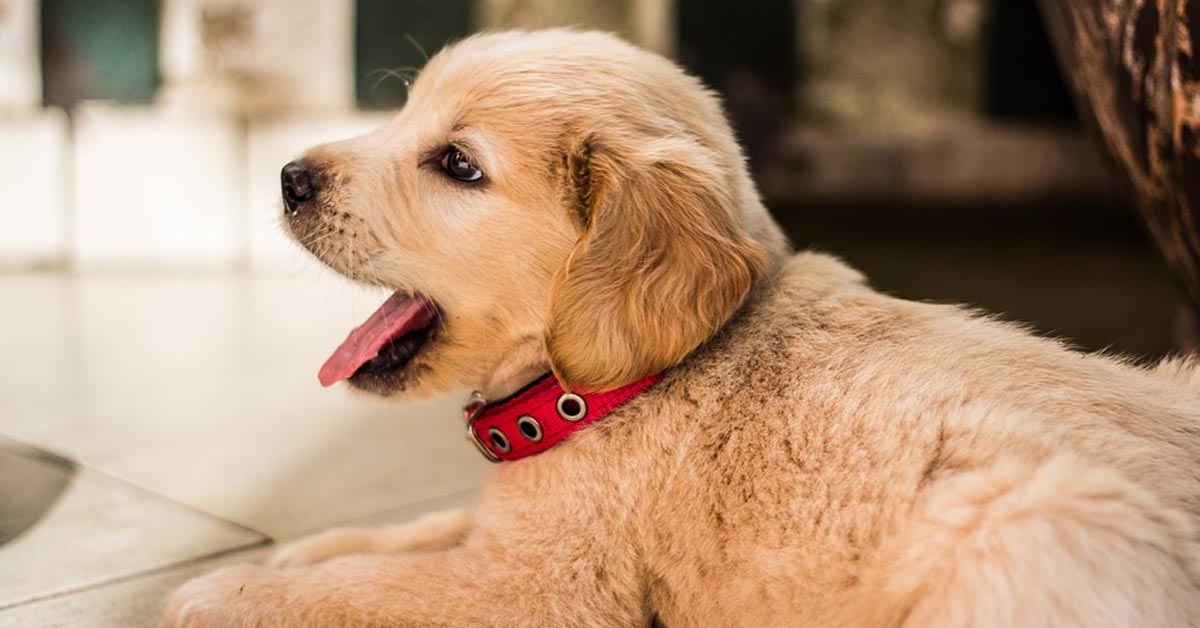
(662, 264)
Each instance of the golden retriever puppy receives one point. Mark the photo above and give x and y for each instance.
(814, 454)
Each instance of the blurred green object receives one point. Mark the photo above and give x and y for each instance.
(99, 50)
(394, 38)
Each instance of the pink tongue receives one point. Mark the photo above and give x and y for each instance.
(399, 315)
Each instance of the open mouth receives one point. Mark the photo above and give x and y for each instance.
(383, 346)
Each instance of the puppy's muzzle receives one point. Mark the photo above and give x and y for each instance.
(299, 188)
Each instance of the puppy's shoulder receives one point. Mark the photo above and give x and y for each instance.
(810, 275)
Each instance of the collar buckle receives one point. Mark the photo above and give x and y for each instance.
(474, 404)
(471, 409)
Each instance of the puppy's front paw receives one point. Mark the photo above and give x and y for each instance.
(233, 597)
(322, 547)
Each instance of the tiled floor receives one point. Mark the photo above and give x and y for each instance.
(153, 426)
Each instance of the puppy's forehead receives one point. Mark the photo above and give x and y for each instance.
(529, 74)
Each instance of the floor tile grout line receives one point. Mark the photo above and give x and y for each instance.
(245, 528)
(195, 509)
(135, 487)
(138, 574)
(41, 454)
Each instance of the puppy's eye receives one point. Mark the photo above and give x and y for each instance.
(458, 165)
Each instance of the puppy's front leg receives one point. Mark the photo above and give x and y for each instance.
(459, 587)
(435, 531)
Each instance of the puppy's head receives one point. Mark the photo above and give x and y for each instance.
(553, 199)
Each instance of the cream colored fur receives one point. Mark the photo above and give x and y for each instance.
(830, 457)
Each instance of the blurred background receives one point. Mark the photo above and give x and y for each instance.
(159, 411)
(931, 142)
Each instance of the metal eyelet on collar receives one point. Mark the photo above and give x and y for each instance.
(571, 407)
(529, 428)
(499, 440)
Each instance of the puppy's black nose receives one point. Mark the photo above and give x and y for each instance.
(299, 187)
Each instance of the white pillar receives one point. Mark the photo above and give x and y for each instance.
(158, 187)
(20, 76)
(258, 55)
(33, 160)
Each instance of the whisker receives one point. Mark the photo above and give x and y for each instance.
(416, 44)
(407, 76)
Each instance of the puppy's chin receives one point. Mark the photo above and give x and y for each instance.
(400, 386)
(409, 382)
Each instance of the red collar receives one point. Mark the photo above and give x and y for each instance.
(540, 416)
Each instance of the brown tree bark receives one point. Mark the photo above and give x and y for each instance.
(1133, 67)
